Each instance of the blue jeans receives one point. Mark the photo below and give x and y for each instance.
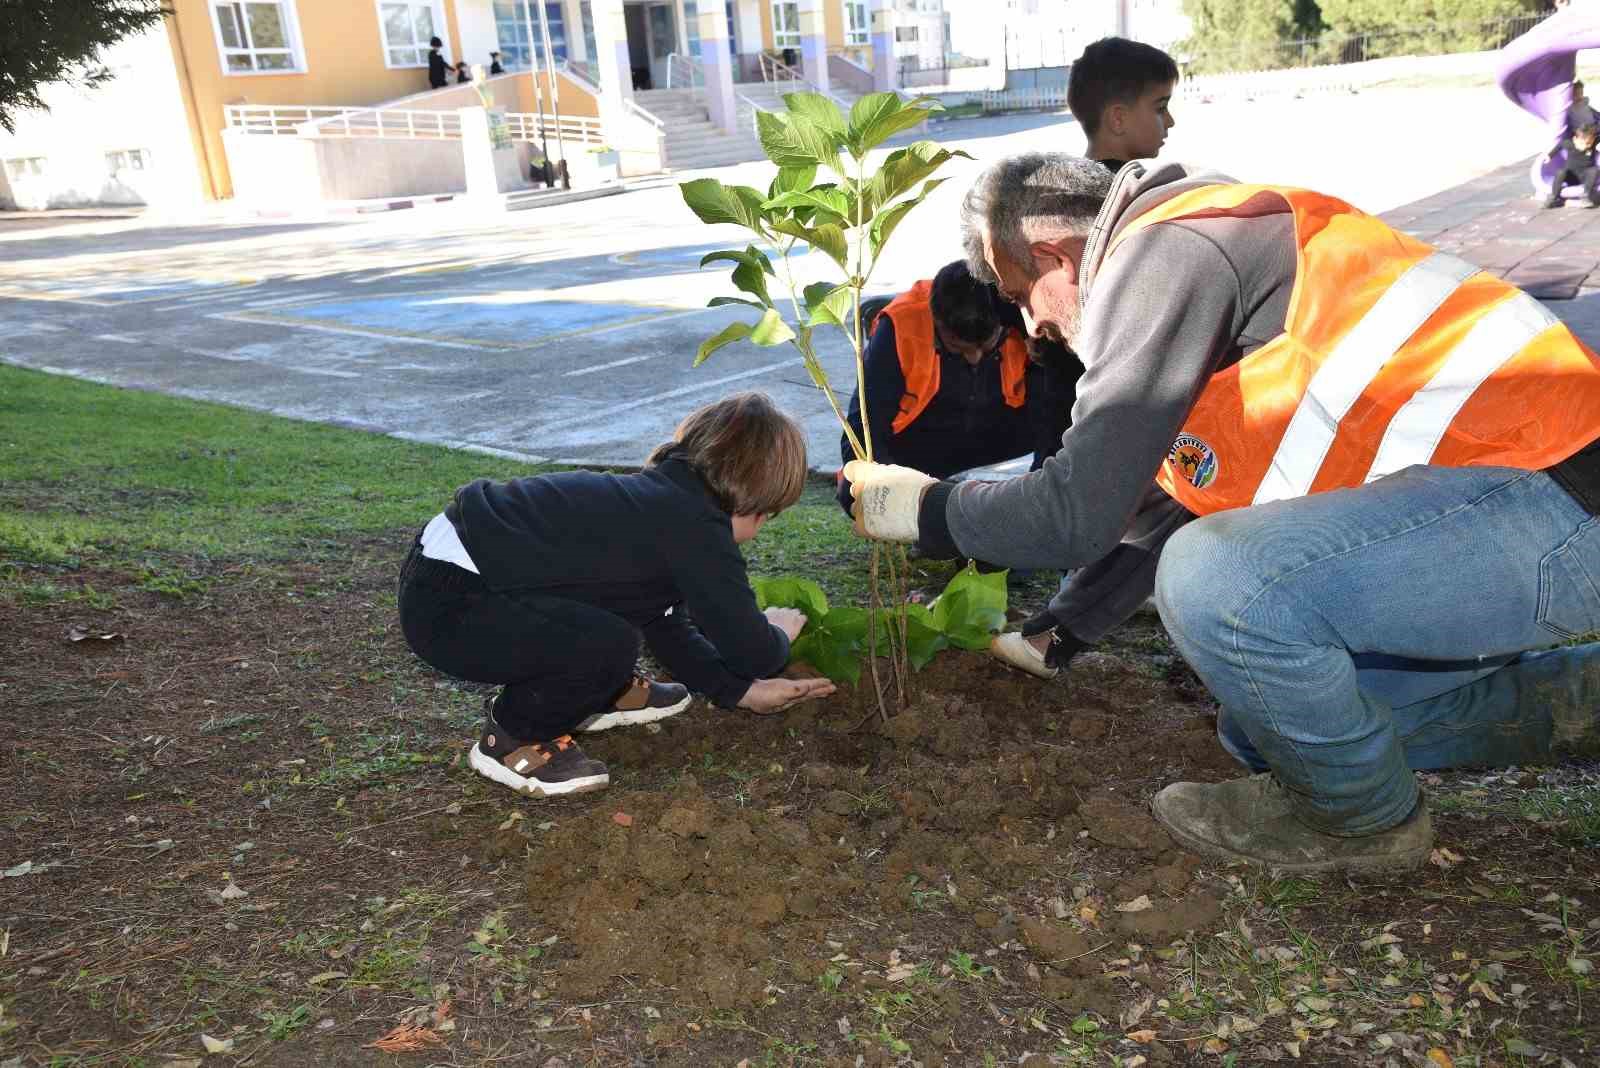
(1353, 636)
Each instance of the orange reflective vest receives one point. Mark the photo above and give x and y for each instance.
(1392, 354)
(919, 356)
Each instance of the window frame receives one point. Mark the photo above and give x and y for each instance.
(22, 168)
(441, 30)
(291, 28)
(132, 159)
(855, 37)
(564, 44)
(773, 7)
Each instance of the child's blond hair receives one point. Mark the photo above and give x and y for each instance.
(752, 456)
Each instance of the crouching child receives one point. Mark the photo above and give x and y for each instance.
(546, 584)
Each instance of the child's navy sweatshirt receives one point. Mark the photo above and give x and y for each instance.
(655, 548)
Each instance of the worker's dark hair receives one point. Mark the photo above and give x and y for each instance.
(969, 310)
(1114, 70)
(435, 43)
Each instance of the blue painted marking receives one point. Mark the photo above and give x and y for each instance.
(507, 317)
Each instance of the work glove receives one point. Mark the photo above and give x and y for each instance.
(887, 499)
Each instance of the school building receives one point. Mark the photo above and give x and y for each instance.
(331, 97)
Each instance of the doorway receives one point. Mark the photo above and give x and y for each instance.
(652, 37)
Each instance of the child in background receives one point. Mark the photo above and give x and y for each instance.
(1120, 91)
(1578, 166)
(546, 584)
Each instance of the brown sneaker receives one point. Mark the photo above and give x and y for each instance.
(542, 769)
(644, 701)
(1253, 820)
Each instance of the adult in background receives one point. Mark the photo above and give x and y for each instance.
(1395, 458)
(438, 69)
(951, 385)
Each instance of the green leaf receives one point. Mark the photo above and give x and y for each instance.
(827, 238)
(749, 273)
(714, 202)
(971, 608)
(820, 111)
(771, 330)
(791, 180)
(877, 117)
(717, 302)
(799, 593)
(795, 141)
(884, 223)
(832, 643)
(837, 660)
(924, 639)
(830, 201)
(726, 336)
(833, 306)
(902, 170)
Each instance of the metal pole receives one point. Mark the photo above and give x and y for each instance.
(538, 96)
(555, 92)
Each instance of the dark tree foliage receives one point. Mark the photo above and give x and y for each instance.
(45, 41)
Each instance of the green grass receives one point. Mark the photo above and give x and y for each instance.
(92, 472)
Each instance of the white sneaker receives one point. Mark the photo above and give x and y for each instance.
(1013, 650)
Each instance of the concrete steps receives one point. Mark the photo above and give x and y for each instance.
(693, 142)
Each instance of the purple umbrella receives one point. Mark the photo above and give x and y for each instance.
(1536, 70)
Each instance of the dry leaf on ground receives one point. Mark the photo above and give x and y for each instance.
(406, 1038)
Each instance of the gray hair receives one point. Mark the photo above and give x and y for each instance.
(1037, 196)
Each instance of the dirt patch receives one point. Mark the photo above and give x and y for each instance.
(979, 877)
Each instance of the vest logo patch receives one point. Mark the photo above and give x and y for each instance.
(1194, 460)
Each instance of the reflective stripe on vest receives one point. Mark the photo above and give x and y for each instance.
(1392, 354)
(919, 356)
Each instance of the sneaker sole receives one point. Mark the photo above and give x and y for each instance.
(1201, 847)
(490, 768)
(631, 717)
(999, 650)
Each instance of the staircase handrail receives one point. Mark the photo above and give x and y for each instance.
(582, 73)
(789, 74)
(638, 112)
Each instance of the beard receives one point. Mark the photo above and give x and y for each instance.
(1064, 324)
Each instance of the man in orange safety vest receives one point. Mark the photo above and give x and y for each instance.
(1394, 458)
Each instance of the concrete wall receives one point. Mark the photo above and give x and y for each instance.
(304, 171)
(342, 50)
(142, 108)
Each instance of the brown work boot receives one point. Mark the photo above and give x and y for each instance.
(643, 701)
(542, 769)
(1253, 820)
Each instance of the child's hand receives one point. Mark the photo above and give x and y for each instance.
(766, 696)
(789, 620)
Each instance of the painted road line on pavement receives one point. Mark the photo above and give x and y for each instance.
(598, 414)
(301, 299)
(118, 337)
(348, 331)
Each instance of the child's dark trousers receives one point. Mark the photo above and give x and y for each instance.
(560, 661)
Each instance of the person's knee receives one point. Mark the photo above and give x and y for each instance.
(1195, 580)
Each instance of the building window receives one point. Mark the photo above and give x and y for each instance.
(905, 34)
(407, 28)
(586, 16)
(256, 37)
(512, 29)
(132, 159)
(858, 30)
(785, 24)
(31, 167)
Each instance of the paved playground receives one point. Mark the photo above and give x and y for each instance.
(567, 333)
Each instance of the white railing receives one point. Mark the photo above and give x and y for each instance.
(775, 71)
(641, 114)
(578, 70)
(402, 123)
(283, 121)
(526, 126)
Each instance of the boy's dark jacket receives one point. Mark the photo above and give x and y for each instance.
(655, 548)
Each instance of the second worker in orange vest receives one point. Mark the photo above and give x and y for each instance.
(950, 383)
